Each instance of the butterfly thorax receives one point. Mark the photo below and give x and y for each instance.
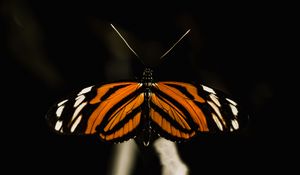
(147, 78)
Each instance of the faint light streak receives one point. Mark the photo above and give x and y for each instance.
(169, 158)
(123, 160)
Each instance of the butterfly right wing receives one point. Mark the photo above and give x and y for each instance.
(113, 111)
(180, 110)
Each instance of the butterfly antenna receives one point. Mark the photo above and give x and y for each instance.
(126, 42)
(175, 44)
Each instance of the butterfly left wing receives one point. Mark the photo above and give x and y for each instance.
(113, 111)
(180, 110)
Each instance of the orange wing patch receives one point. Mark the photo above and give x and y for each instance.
(184, 131)
(127, 128)
(97, 116)
(115, 126)
(186, 99)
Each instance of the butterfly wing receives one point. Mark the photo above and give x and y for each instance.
(180, 110)
(113, 111)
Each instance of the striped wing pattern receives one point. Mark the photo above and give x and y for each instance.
(180, 110)
(111, 110)
(116, 111)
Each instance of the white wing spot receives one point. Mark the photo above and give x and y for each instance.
(208, 89)
(75, 124)
(78, 109)
(234, 109)
(140, 84)
(216, 109)
(235, 124)
(62, 102)
(58, 125)
(217, 121)
(59, 111)
(79, 99)
(231, 101)
(215, 99)
(85, 90)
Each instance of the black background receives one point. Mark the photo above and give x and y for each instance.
(51, 48)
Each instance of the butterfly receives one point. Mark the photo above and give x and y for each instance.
(146, 109)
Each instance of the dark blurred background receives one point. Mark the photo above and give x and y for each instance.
(51, 48)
